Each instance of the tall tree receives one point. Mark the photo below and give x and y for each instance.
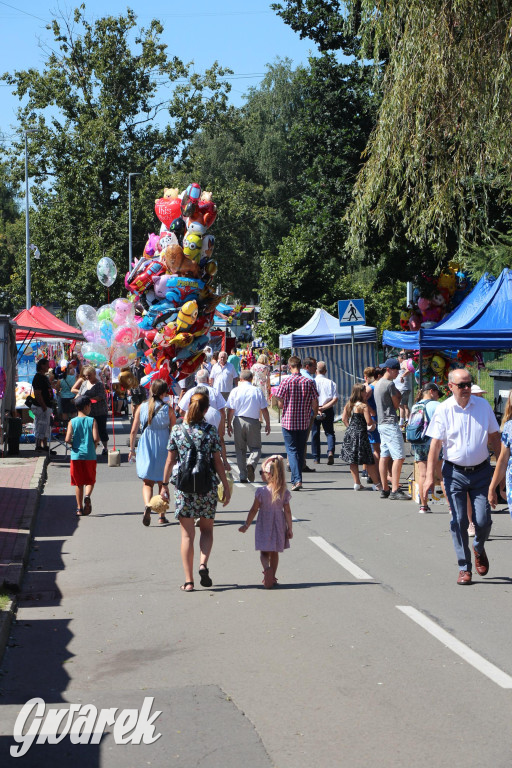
(248, 160)
(439, 157)
(100, 110)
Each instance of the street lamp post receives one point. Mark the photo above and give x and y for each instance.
(27, 232)
(28, 247)
(130, 219)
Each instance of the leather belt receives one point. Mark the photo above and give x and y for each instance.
(468, 469)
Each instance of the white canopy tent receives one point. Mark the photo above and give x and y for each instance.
(323, 338)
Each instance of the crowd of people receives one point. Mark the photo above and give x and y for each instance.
(183, 443)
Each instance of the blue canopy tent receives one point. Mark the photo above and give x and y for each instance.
(323, 338)
(482, 321)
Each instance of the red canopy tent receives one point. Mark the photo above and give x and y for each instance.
(38, 323)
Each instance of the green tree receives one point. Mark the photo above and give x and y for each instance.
(439, 157)
(247, 160)
(10, 227)
(100, 108)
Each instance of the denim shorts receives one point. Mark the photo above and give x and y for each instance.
(391, 442)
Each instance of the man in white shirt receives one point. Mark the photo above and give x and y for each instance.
(462, 426)
(327, 399)
(243, 415)
(217, 402)
(223, 376)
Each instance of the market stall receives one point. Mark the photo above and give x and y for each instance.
(323, 338)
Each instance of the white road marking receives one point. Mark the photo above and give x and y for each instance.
(478, 662)
(347, 564)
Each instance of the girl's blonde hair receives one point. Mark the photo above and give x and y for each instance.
(87, 369)
(357, 396)
(263, 359)
(199, 404)
(274, 467)
(159, 389)
(508, 410)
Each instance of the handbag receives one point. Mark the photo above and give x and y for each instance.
(30, 401)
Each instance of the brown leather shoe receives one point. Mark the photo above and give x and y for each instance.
(464, 577)
(481, 562)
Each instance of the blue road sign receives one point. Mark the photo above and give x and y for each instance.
(351, 312)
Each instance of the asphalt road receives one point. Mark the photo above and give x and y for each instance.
(368, 653)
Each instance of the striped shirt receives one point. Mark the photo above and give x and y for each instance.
(298, 395)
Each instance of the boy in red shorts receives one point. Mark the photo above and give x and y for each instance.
(83, 436)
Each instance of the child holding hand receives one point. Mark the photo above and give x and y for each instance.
(83, 436)
(274, 523)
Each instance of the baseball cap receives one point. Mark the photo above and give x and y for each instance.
(392, 363)
(476, 390)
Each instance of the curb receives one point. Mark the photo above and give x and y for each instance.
(16, 570)
(6, 619)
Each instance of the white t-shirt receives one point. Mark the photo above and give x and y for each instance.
(212, 416)
(247, 400)
(464, 431)
(326, 389)
(223, 377)
(216, 399)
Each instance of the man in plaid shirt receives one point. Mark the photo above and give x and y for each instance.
(297, 397)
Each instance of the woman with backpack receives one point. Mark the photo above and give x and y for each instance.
(421, 414)
(195, 447)
(156, 419)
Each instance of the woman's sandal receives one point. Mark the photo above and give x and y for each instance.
(79, 512)
(268, 578)
(187, 584)
(205, 577)
(87, 506)
(146, 517)
(162, 520)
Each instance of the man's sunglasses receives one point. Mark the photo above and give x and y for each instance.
(463, 384)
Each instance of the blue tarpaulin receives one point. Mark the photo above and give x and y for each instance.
(482, 321)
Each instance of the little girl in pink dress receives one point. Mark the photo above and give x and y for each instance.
(274, 523)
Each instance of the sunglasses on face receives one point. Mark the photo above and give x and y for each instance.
(463, 385)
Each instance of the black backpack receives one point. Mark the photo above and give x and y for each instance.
(194, 473)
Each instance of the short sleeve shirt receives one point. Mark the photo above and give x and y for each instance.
(383, 391)
(42, 383)
(247, 400)
(464, 431)
(297, 394)
(216, 399)
(223, 377)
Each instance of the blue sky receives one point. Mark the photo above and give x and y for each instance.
(242, 36)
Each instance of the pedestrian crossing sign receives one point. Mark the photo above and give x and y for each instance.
(351, 312)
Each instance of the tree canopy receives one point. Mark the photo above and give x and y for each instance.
(439, 155)
(97, 113)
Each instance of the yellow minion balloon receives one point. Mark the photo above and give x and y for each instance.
(192, 244)
(187, 315)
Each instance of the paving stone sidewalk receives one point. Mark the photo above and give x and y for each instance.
(21, 481)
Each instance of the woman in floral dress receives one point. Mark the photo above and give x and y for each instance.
(190, 506)
(261, 375)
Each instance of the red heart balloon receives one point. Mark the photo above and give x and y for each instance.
(167, 209)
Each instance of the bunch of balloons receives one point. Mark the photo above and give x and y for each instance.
(110, 333)
(434, 297)
(171, 285)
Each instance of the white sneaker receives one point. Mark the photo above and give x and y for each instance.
(357, 487)
(377, 487)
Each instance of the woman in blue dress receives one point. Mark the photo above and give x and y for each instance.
(504, 463)
(156, 419)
